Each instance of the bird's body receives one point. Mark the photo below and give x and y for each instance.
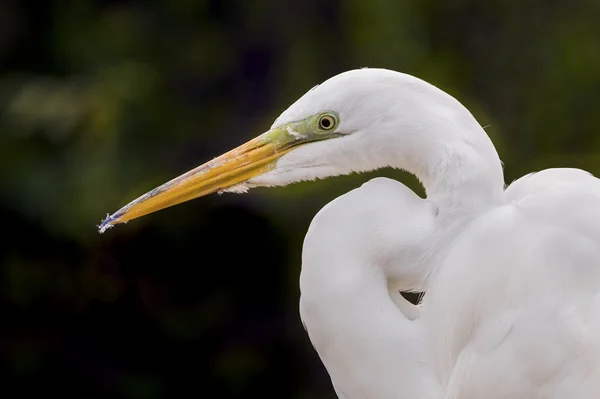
(530, 325)
(512, 277)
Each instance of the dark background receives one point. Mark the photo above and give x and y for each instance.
(101, 101)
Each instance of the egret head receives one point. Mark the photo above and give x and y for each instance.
(357, 121)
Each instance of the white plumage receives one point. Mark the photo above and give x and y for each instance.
(514, 310)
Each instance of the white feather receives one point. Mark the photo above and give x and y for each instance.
(512, 277)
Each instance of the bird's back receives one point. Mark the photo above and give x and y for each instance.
(515, 308)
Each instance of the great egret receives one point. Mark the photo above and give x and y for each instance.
(511, 277)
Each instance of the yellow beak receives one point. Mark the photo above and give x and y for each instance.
(237, 166)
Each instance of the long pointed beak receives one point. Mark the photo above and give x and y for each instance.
(235, 167)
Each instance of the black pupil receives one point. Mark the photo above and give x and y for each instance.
(326, 123)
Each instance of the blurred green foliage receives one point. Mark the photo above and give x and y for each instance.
(102, 100)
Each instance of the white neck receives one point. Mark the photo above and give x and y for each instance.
(438, 140)
(463, 177)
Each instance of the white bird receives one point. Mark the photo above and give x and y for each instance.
(512, 282)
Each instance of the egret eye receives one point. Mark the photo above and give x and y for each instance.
(326, 122)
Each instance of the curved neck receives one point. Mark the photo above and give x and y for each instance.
(463, 176)
(439, 141)
(430, 134)
(434, 137)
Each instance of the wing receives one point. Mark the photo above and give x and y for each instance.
(515, 308)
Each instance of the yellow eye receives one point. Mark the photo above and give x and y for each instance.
(326, 122)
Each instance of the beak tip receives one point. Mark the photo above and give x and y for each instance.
(108, 222)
